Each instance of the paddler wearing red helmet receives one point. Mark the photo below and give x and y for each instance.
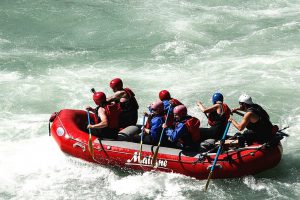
(127, 101)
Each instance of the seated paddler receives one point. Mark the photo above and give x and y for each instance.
(185, 134)
(106, 117)
(153, 127)
(217, 115)
(127, 101)
(255, 119)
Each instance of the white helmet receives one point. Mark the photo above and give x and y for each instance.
(244, 98)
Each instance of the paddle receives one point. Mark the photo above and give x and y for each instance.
(156, 151)
(218, 153)
(238, 113)
(142, 134)
(90, 144)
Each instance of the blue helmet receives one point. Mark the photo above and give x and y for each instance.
(217, 97)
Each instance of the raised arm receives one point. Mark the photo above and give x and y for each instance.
(116, 96)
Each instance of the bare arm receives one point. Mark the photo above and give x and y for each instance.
(116, 96)
(104, 121)
(245, 121)
(89, 108)
(207, 110)
(236, 111)
(239, 113)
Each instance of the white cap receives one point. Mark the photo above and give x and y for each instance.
(244, 98)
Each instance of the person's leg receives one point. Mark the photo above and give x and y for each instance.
(109, 133)
(246, 137)
(208, 133)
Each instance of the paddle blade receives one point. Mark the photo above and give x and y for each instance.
(90, 146)
(155, 156)
(140, 154)
(208, 179)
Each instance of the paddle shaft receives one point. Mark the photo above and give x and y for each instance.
(142, 135)
(156, 151)
(217, 155)
(90, 144)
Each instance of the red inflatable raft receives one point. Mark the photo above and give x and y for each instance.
(69, 126)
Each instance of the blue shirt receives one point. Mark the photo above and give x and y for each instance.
(179, 131)
(156, 127)
(167, 105)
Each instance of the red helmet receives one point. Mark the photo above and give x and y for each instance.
(99, 97)
(116, 83)
(164, 95)
(180, 110)
(157, 106)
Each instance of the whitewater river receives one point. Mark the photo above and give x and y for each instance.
(53, 52)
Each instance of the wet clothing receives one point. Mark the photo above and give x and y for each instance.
(261, 131)
(186, 133)
(217, 122)
(129, 115)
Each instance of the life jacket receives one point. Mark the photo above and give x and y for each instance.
(275, 129)
(263, 127)
(214, 118)
(112, 112)
(132, 103)
(150, 117)
(171, 120)
(193, 124)
(176, 102)
(148, 122)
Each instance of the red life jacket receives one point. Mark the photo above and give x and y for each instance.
(176, 102)
(112, 112)
(171, 121)
(148, 122)
(214, 118)
(193, 125)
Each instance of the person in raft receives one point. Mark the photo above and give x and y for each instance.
(217, 115)
(128, 103)
(153, 126)
(169, 103)
(185, 134)
(106, 117)
(255, 119)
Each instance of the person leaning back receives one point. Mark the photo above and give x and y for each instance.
(255, 119)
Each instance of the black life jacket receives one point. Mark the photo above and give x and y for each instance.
(131, 104)
(263, 127)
